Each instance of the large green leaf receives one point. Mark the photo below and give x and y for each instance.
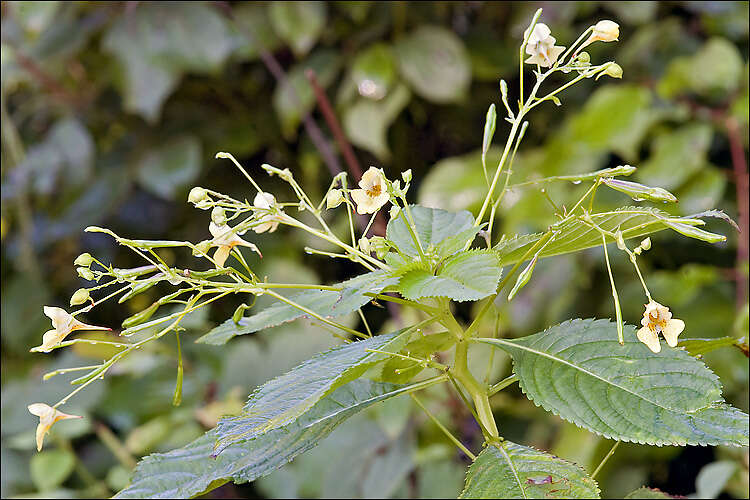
(578, 371)
(470, 275)
(327, 303)
(509, 470)
(574, 235)
(283, 399)
(433, 225)
(366, 122)
(192, 470)
(298, 23)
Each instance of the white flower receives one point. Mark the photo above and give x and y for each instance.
(64, 324)
(47, 417)
(541, 46)
(268, 222)
(373, 194)
(657, 319)
(226, 239)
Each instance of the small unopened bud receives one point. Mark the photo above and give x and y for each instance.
(202, 248)
(406, 175)
(583, 58)
(394, 211)
(79, 297)
(218, 216)
(620, 240)
(613, 69)
(379, 246)
(646, 244)
(334, 198)
(197, 194)
(239, 313)
(606, 31)
(85, 273)
(364, 245)
(84, 260)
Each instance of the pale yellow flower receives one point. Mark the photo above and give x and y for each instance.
(657, 319)
(604, 31)
(47, 418)
(63, 324)
(541, 46)
(268, 222)
(226, 239)
(373, 193)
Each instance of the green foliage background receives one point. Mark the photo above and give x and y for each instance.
(112, 111)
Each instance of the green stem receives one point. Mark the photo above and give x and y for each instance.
(478, 392)
(604, 460)
(448, 433)
(503, 384)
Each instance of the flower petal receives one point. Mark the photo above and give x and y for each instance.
(221, 255)
(673, 329)
(651, 339)
(362, 200)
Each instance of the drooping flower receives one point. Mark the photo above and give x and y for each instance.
(373, 193)
(226, 239)
(268, 222)
(541, 46)
(657, 319)
(63, 324)
(605, 31)
(47, 418)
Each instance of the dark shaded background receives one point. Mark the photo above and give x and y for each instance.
(111, 112)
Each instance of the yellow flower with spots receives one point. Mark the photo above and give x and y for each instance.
(373, 193)
(226, 239)
(47, 418)
(657, 319)
(541, 47)
(64, 324)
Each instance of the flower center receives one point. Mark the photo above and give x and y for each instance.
(374, 190)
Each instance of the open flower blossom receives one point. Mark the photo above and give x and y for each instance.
(64, 324)
(603, 31)
(657, 319)
(373, 193)
(541, 46)
(226, 239)
(268, 222)
(47, 418)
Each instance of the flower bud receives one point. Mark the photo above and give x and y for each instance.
(364, 245)
(613, 69)
(196, 195)
(334, 198)
(406, 176)
(84, 260)
(394, 211)
(606, 31)
(202, 248)
(218, 216)
(620, 240)
(79, 297)
(85, 273)
(646, 244)
(379, 246)
(583, 58)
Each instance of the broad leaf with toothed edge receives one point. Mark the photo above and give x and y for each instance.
(579, 371)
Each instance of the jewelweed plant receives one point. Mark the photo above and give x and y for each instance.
(599, 374)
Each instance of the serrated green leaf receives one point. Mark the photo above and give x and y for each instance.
(696, 347)
(509, 470)
(433, 225)
(327, 303)
(578, 371)
(646, 492)
(191, 470)
(574, 235)
(283, 399)
(455, 243)
(470, 275)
